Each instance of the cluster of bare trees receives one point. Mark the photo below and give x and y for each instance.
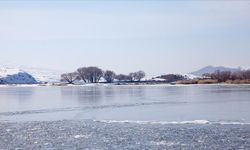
(94, 75)
(69, 77)
(223, 76)
(90, 74)
(172, 77)
(109, 76)
(137, 76)
(123, 77)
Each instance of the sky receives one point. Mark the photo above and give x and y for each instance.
(155, 36)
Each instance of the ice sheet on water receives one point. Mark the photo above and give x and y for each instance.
(156, 122)
(85, 108)
(175, 122)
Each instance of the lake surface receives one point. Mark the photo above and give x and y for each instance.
(163, 103)
(113, 117)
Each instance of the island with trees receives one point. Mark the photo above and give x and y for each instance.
(93, 74)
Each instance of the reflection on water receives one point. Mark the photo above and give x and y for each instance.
(100, 94)
(91, 94)
(22, 94)
(15, 97)
(212, 102)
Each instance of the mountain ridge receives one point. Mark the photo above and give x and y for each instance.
(212, 69)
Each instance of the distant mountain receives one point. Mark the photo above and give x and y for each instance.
(212, 69)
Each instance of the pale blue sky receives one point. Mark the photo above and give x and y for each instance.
(155, 36)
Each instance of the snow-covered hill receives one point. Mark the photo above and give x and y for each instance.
(15, 76)
(26, 75)
(19, 78)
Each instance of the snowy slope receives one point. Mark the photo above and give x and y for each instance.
(19, 78)
(15, 76)
(44, 75)
(40, 75)
(191, 76)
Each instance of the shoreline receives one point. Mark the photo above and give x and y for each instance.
(112, 84)
(211, 81)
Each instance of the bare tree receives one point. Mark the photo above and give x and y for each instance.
(122, 77)
(246, 74)
(236, 76)
(172, 77)
(69, 77)
(90, 74)
(216, 75)
(83, 73)
(139, 75)
(109, 76)
(241, 75)
(132, 76)
(95, 74)
(225, 75)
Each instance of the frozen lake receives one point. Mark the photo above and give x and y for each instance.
(163, 103)
(125, 117)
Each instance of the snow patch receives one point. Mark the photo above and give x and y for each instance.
(163, 143)
(8, 130)
(156, 122)
(191, 76)
(44, 75)
(199, 122)
(81, 136)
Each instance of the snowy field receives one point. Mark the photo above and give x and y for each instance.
(99, 135)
